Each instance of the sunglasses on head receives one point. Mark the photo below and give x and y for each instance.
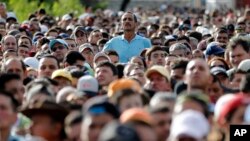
(55, 48)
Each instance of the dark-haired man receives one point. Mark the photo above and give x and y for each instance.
(105, 73)
(8, 116)
(129, 44)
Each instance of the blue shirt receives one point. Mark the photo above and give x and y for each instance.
(125, 49)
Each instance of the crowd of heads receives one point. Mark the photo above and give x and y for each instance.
(171, 74)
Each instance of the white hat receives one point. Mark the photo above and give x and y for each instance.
(190, 123)
(244, 65)
(31, 62)
(88, 84)
(66, 17)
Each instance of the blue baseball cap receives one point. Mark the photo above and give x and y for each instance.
(54, 41)
(213, 48)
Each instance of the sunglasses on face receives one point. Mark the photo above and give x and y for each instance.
(59, 47)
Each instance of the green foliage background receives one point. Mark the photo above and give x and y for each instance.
(23, 8)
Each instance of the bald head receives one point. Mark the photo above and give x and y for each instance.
(197, 74)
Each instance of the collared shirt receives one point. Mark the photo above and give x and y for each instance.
(125, 49)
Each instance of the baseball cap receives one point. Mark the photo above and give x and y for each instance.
(136, 114)
(190, 123)
(159, 69)
(101, 54)
(62, 73)
(54, 41)
(218, 70)
(31, 62)
(86, 46)
(121, 84)
(11, 16)
(66, 17)
(244, 66)
(116, 131)
(99, 105)
(213, 48)
(89, 85)
(232, 104)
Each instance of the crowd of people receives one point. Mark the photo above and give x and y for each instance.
(168, 74)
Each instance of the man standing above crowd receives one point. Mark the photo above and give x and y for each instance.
(129, 44)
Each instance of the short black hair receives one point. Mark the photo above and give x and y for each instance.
(52, 57)
(6, 77)
(184, 38)
(72, 56)
(110, 65)
(196, 35)
(14, 102)
(179, 63)
(111, 52)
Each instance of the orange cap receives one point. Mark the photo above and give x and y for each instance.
(136, 114)
(124, 83)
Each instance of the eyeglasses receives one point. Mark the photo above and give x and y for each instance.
(59, 47)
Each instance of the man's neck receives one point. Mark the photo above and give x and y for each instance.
(129, 35)
(4, 134)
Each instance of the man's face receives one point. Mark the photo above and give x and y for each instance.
(94, 37)
(10, 43)
(14, 66)
(7, 114)
(235, 83)
(24, 41)
(157, 58)
(23, 52)
(72, 45)
(104, 75)
(221, 38)
(88, 55)
(59, 51)
(46, 67)
(197, 74)
(132, 101)
(15, 87)
(177, 74)
(158, 82)
(138, 74)
(237, 55)
(114, 59)
(169, 60)
(128, 22)
(43, 126)
(93, 125)
(81, 38)
(162, 122)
